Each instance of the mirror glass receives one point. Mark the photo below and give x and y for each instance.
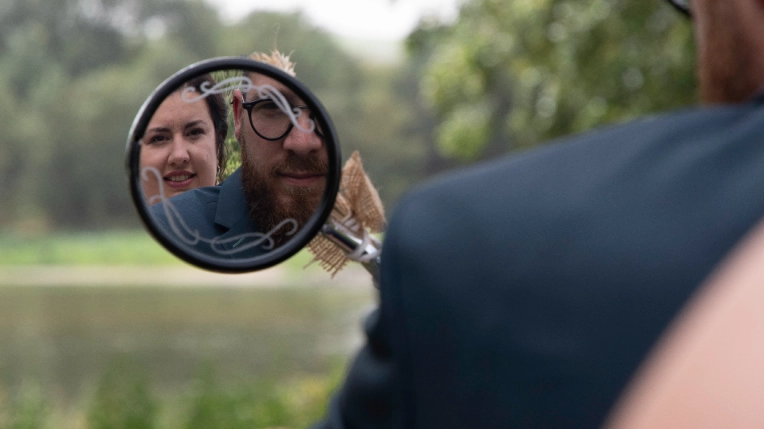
(233, 164)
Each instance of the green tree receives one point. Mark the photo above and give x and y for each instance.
(510, 74)
(67, 108)
(72, 76)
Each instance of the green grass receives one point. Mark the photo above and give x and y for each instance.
(173, 358)
(84, 248)
(131, 248)
(124, 399)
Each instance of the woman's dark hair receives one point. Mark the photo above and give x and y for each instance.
(218, 112)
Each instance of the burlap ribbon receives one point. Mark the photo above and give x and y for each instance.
(358, 207)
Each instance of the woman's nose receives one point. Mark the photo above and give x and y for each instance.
(178, 153)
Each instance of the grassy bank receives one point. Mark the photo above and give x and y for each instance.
(123, 398)
(107, 248)
(83, 248)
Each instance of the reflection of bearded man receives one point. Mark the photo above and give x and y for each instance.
(271, 202)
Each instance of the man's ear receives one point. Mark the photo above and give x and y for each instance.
(238, 98)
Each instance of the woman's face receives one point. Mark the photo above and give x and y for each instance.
(180, 144)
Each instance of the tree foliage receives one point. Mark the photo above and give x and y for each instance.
(73, 74)
(508, 74)
(513, 73)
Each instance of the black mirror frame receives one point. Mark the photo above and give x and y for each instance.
(682, 7)
(132, 161)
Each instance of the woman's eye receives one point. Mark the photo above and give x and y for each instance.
(195, 132)
(157, 139)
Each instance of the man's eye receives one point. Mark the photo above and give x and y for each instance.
(268, 105)
(267, 110)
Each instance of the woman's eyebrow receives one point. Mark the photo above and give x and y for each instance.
(158, 130)
(195, 123)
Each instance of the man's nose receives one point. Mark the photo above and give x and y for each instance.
(178, 152)
(300, 140)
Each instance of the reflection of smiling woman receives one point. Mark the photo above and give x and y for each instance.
(184, 142)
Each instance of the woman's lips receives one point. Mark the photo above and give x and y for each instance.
(179, 179)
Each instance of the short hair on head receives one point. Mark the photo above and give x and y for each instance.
(276, 59)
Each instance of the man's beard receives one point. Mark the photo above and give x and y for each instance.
(270, 204)
(725, 60)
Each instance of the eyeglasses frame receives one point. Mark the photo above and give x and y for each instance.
(249, 105)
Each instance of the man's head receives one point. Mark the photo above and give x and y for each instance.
(730, 42)
(284, 176)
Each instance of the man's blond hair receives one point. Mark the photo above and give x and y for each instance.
(276, 59)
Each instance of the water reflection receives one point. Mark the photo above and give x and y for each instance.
(65, 337)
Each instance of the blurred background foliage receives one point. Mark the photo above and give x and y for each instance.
(505, 76)
(512, 74)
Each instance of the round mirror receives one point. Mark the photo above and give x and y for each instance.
(233, 164)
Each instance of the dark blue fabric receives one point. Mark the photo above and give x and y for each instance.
(524, 293)
(214, 211)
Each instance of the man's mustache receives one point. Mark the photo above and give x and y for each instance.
(304, 164)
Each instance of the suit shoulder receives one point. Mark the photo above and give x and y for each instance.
(193, 203)
(199, 197)
(572, 172)
(650, 137)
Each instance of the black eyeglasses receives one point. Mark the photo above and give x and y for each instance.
(682, 6)
(271, 122)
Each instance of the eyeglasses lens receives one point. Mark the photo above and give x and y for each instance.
(271, 122)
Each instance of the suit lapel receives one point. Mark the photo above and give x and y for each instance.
(232, 215)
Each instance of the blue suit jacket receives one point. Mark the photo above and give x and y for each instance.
(524, 293)
(213, 212)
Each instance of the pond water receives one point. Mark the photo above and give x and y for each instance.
(65, 337)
